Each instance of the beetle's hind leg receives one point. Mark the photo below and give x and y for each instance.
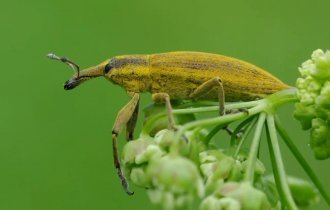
(125, 116)
(208, 86)
(165, 98)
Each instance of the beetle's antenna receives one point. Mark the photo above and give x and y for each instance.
(72, 64)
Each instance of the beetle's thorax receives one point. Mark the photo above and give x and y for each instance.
(131, 72)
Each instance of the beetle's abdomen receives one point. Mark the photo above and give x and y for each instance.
(180, 73)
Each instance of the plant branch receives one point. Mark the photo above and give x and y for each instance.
(252, 159)
(300, 158)
(278, 164)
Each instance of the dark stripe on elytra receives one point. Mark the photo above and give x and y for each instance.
(212, 66)
(121, 62)
(198, 65)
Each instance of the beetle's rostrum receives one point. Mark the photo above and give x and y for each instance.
(70, 84)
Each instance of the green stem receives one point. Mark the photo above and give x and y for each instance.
(252, 159)
(212, 133)
(240, 128)
(279, 164)
(283, 97)
(223, 119)
(245, 135)
(300, 158)
(148, 126)
(216, 108)
(268, 104)
(275, 171)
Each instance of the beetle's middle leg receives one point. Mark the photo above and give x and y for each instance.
(208, 86)
(124, 116)
(165, 98)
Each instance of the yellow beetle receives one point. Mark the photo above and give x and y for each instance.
(176, 75)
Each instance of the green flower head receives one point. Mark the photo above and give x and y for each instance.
(313, 108)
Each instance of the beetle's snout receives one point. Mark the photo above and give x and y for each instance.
(70, 84)
(83, 76)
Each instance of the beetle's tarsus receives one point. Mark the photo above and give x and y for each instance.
(116, 161)
(185, 138)
(231, 132)
(124, 182)
(228, 130)
(234, 111)
(245, 110)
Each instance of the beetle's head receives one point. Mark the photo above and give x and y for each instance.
(83, 75)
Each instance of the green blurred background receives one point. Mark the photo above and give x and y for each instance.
(55, 146)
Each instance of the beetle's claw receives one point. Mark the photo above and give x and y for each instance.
(124, 182)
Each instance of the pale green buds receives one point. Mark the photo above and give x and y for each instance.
(217, 167)
(238, 196)
(313, 109)
(213, 203)
(320, 138)
(175, 181)
(304, 194)
(135, 154)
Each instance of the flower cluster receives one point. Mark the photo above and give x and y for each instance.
(313, 108)
(166, 169)
(180, 172)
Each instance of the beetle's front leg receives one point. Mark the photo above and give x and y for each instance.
(123, 117)
(130, 125)
(165, 98)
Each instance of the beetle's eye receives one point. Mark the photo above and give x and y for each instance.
(107, 68)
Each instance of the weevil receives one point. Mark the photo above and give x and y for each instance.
(175, 75)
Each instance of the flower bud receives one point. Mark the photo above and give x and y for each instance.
(135, 154)
(322, 64)
(249, 197)
(217, 167)
(320, 139)
(304, 194)
(189, 145)
(140, 151)
(304, 114)
(164, 138)
(176, 181)
(213, 203)
(324, 98)
(259, 167)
